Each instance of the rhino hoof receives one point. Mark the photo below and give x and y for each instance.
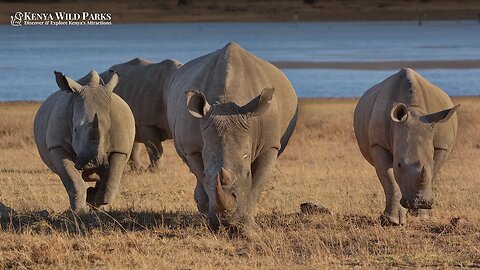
(386, 221)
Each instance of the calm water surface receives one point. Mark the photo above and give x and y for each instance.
(28, 55)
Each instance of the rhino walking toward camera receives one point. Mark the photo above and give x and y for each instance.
(231, 116)
(406, 127)
(143, 87)
(82, 130)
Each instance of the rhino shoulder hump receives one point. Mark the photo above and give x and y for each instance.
(138, 61)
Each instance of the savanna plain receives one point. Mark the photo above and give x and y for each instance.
(153, 223)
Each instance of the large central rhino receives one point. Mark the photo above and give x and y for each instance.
(231, 115)
(143, 87)
(405, 127)
(83, 130)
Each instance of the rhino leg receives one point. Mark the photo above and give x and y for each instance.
(439, 157)
(394, 213)
(135, 162)
(107, 188)
(71, 178)
(152, 137)
(262, 168)
(195, 163)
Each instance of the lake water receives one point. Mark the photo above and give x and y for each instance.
(28, 55)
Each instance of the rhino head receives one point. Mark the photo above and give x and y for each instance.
(229, 141)
(90, 118)
(413, 153)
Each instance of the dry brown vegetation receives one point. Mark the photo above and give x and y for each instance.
(154, 223)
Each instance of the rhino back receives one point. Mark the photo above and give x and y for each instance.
(372, 122)
(247, 76)
(141, 85)
(122, 133)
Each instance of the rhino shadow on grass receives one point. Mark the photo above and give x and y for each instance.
(172, 224)
(126, 221)
(163, 222)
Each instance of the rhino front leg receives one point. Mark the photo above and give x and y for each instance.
(108, 187)
(262, 168)
(71, 178)
(394, 213)
(195, 164)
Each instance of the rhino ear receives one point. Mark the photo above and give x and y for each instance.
(197, 104)
(67, 84)
(439, 117)
(264, 101)
(399, 112)
(113, 81)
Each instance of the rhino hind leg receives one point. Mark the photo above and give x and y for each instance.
(134, 161)
(394, 213)
(152, 137)
(71, 178)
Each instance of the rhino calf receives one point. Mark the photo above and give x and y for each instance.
(82, 130)
(231, 115)
(405, 127)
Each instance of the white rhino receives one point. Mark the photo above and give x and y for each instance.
(85, 130)
(406, 127)
(142, 86)
(231, 116)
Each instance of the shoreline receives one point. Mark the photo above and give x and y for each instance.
(300, 99)
(125, 11)
(380, 65)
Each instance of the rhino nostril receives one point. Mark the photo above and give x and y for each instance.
(399, 165)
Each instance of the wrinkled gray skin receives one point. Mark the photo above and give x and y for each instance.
(83, 130)
(405, 127)
(231, 115)
(142, 86)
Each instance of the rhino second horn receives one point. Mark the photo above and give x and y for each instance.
(95, 128)
(224, 201)
(227, 177)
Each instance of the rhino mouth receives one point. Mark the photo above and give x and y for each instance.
(90, 164)
(416, 203)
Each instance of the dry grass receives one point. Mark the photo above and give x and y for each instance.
(154, 223)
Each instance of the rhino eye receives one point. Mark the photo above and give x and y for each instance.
(75, 130)
(399, 165)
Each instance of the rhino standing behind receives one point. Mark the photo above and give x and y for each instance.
(143, 87)
(82, 130)
(406, 127)
(231, 115)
